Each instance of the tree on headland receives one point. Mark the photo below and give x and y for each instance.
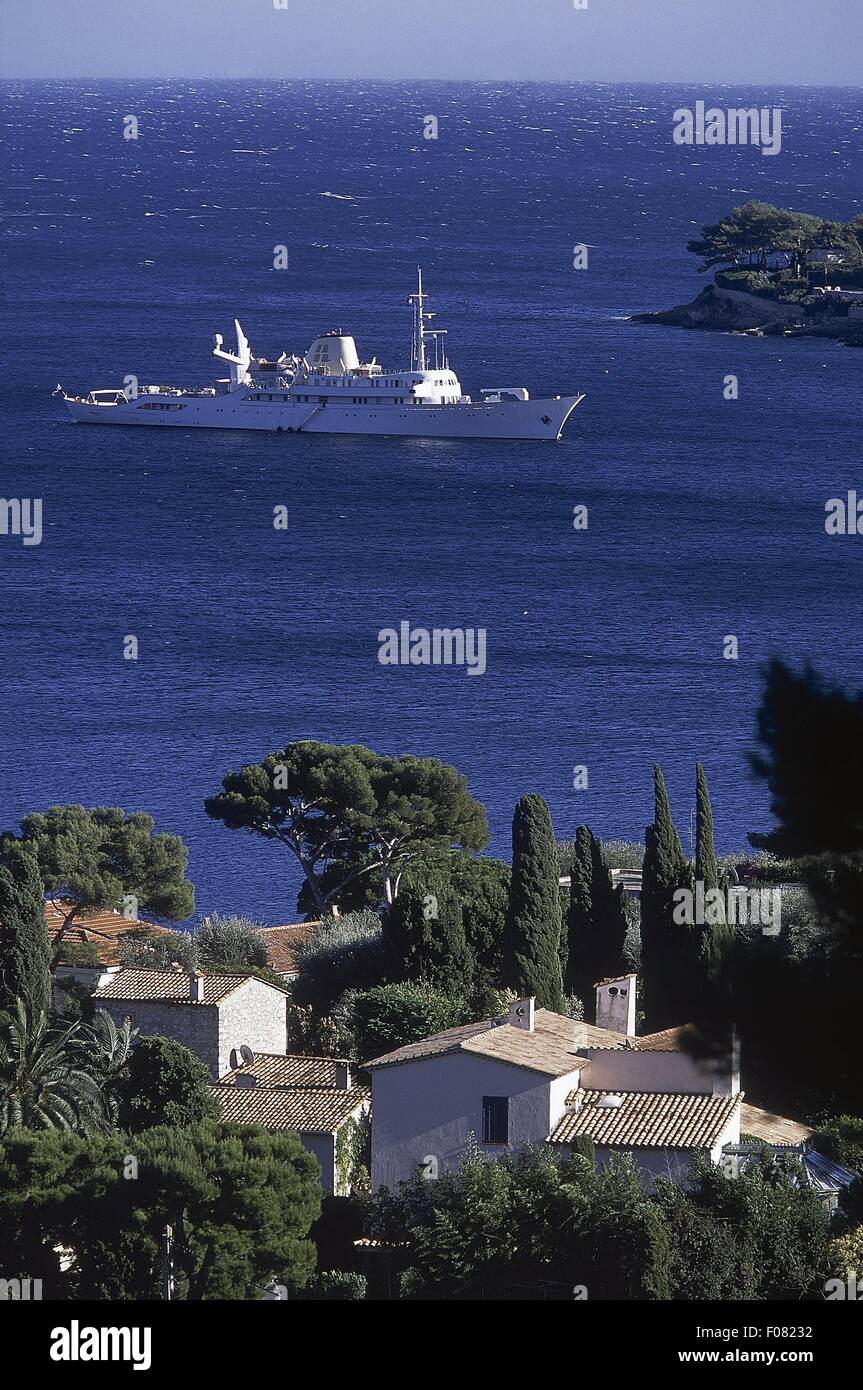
(103, 858)
(25, 951)
(749, 234)
(346, 813)
(534, 919)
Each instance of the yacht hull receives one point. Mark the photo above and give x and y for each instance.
(531, 419)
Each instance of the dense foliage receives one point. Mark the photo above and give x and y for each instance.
(533, 1224)
(240, 1203)
(164, 1084)
(374, 1021)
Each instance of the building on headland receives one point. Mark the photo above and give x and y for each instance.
(317, 1097)
(214, 1015)
(534, 1077)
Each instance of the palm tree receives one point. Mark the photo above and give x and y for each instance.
(104, 1049)
(47, 1077)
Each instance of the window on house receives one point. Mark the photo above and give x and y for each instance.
(495, 1119)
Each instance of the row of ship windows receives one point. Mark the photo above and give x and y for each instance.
(160, 405)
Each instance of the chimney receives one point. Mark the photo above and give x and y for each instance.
(343, 1076)
(615, 1004)
(196, 987)
(521, 1014)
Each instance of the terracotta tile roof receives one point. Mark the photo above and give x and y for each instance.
(102, 927)
(280, 943)
(277, 1072)
(317, 1111)
(551, 1048)
(669, 1040)
(168, 987)
(645, 1120)
(773, 1129)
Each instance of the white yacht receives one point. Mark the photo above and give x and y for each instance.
(330, 391)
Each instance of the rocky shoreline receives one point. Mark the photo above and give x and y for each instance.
(735, 311)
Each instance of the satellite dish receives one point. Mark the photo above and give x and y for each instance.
(247, 1054)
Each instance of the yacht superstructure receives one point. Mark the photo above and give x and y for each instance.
(330, 391)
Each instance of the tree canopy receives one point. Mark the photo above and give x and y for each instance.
(240, 1203)
(379, 1020)
(346, 812)
(164, 1084)
(103, 858)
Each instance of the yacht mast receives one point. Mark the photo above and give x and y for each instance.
(418, 347)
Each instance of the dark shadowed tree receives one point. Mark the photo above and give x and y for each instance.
(812, 737)
(668, 950)
(812, 734)
(597, 923)
(164, 1084)
(450, 904)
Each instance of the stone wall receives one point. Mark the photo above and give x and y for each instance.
(256, 1015)
(196, 1026)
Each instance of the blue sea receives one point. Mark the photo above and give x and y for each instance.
(605, 646)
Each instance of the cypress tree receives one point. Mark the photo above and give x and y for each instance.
(608, 916)
(25, 950)
(665, 947)
(706, 867)
(597, 925)
(580, 916)
(424, 929)
(716, 937)
(534, 919)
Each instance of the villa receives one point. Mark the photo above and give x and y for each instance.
(533, 1077)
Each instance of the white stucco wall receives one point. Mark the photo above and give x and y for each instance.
(430, 1107)
(613, 1069)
